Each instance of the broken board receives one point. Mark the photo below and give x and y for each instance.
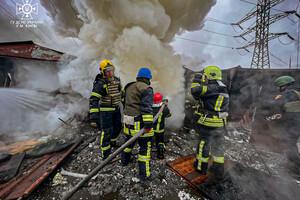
(240, 183)
(19, 147)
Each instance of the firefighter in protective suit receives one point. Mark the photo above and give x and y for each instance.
(138, 113)
(287, 110)
(211, 119)
(105, 106)
(159, 125)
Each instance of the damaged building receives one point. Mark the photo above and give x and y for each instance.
(20, 58)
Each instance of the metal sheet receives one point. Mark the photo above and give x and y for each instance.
(29, 50)
(23, 184)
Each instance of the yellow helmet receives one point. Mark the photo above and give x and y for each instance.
(213, 73)
(106, 65)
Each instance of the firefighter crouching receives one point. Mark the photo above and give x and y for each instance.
(107, 117)
(287, 110)
(159, 125)
(138, 113)
(211, 119)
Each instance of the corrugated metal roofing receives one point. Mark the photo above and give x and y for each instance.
(28, 50)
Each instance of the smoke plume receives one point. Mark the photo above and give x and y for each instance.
(133, 34)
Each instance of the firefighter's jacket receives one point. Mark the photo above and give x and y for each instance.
(159, 125)
(287, 103)
(138, 104)
(213, 103)
(106, 96)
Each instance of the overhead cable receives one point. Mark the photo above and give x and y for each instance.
(24, 27)
(46, 34)
(217, 45)
(57, 13)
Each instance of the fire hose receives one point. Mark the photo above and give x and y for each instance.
(107, 160)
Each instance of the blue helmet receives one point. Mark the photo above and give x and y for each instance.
(144, 72)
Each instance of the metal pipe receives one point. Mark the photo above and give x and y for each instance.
(106, 161)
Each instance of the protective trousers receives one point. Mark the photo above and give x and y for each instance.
(143, 157)
(111, 127)
(211, 143)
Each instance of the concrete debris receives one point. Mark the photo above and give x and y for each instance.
(117, 182)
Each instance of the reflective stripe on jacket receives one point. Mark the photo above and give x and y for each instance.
(159, 125)
(99, 91)
(214, 99)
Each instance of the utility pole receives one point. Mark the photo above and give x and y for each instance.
(260, 58)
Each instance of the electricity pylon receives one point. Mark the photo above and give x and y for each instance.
(260, 57)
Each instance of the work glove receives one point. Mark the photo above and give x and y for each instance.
(273, 117)
(94, 124)
(197, 78)
(166, 101)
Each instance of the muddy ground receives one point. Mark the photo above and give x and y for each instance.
(117, 182)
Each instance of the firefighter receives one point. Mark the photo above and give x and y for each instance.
(138, 113)
(213, 100)
(287, 111)
(159, 125)
(108, 91)
(189, 110)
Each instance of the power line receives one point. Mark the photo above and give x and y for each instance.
(217, 45)
(221, 22)
(46, 34)
(216, 32)
(217, 21)
(284, 43)
(242, 54)
(68, 31)
(277, 63)
(256, 4)
(24, 27)
(272, 61)
(279, 59)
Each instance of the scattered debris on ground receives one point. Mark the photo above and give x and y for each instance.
(117, 182)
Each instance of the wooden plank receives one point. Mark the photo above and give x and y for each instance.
(19, 147)
(184, 168)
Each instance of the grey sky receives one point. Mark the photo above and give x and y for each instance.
(232, 11)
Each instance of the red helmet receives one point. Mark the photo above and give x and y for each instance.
(157, 97)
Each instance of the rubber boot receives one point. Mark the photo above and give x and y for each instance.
(125, 158)
(153, 175)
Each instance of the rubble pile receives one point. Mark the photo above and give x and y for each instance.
(117, 182)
